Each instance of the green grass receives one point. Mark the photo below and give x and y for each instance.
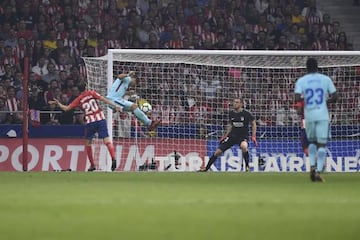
(50, 205)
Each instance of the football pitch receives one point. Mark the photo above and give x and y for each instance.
(150, 205)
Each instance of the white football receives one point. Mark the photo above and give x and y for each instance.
(146, 107)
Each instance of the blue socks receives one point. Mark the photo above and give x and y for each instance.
(312, 154)
(317, 157)
(321, 154)
(142, 117)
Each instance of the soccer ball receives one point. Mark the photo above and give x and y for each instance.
(146, 107)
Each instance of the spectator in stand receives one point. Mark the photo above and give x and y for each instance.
(83, 31)
(221, 41)
(261, 5)
(298, 19)
(321, 42)
(153, 41)
(165, 36)
(50, 93)
(2, 91)
(9, 16)
(260, 41)
(71, 40)
(66, 117)
(113, 41)
(2, 47)
(13, 105)
(143, 30)
(36, 98)
(294, 34)
(21, 50)
(60, 49)
(283, 43)
(3, 114)
(41, 67)
(37, 50)
(7, 72)
(52, 116)
(206, 33)
(51, 41)
(101, 48)
(22, 31)
(175, 41)
(312, 13)
(18, 85)
(51, 75)
(10, 58)
(326, 25)
(129, 38)
(68, 14)
(5, 30)
(79, 51)
(334, 35)
(342, 41)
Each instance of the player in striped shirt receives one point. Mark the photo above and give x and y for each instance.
(95, 120)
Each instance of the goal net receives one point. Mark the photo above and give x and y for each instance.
(191, 93)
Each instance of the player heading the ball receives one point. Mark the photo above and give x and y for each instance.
(117, 92)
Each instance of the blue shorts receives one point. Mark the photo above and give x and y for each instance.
(99, 127)
(318, 131)
(125, 104)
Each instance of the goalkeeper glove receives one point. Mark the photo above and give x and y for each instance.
(223, 138)
(253, 139)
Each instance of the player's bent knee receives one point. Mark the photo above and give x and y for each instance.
(244, 146)
(106, 140)
(218, 152)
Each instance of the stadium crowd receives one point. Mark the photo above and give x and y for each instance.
(55, 34)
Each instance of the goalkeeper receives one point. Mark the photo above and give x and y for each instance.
(237, 133)
(117, 92)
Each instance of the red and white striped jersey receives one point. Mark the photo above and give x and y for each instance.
(12, 104)
(87, 101)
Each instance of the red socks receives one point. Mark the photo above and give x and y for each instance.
(110, 147)
(90, 155)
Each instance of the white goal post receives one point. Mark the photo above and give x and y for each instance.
(190, 91)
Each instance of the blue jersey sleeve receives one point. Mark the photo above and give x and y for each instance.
(332, 88)
(298, 87)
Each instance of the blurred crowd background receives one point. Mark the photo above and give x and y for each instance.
(55, 34)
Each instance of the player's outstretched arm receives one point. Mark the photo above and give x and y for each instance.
(124, 75)
(253, 136)
(62, 106)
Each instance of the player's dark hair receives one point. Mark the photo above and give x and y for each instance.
(312, 65)
(82, 87)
